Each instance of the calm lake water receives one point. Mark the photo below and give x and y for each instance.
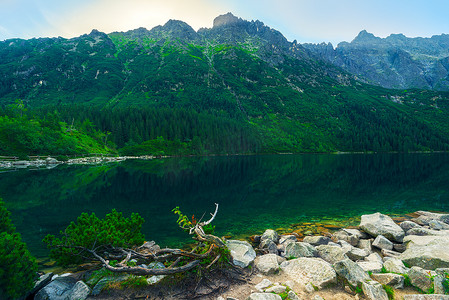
(254, 192)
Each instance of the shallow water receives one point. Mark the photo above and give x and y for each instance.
(254, 192)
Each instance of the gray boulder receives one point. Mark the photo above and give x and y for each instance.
(349, 237)
(306, 270)
(438, 225)
(269, 246)
(425, 217)
(382, 243)
(407, 225)
(351, 271)
(79, 292)
(268, 263)
(64, 288)
(242, 252)
(365, 244)
(395, 265)
(317, 240)
(331, 254)
(374, 290)
(420, 278)
(263, 296)
(394, 280)
(374, 257)
(357, 254)
(300, 249)
(439, 279)
(43, 281)
(428, 252)
(421, 231)
(379, 224)
(269, 235)
(286, 239)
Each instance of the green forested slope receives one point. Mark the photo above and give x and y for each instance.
(231, 89)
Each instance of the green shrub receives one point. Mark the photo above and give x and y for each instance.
(90, 232)
(18, 268)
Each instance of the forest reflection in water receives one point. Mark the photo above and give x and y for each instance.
(254, 192)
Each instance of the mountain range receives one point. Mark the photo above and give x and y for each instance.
(272, 94)
(393, 62)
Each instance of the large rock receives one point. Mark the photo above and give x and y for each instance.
(306, 270)
(407, 225)
(300, 249)
(331, 254)
(263, 296)
(394, 280)
(395, 265)
(242, 252)
(357, 253)
(379, 224)
(269, 235)
(425, 217)
(64, 288)
(428, 252)
(420, 278)
(382, 243)
(425, 231)
(351, 271)
(438, 225)
(268, 263)
(374, 291)
(347, 236)
(440, 278)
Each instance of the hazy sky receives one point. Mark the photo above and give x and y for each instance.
(304, 20)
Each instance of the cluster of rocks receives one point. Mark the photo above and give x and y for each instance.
(378, 253)
(67, 287)
(51, 162)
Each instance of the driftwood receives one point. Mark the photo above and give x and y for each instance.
(104, 254)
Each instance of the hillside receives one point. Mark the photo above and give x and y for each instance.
(237, 87)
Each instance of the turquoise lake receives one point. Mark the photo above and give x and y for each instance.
(254, 192)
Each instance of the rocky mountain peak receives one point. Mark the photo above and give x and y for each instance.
(365, 37)
(227, 20)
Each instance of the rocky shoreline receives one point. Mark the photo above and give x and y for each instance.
(380, 259)
(50, 162)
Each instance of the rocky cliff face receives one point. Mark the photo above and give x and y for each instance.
(392, 62)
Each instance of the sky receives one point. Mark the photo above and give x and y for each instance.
(307, 21)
